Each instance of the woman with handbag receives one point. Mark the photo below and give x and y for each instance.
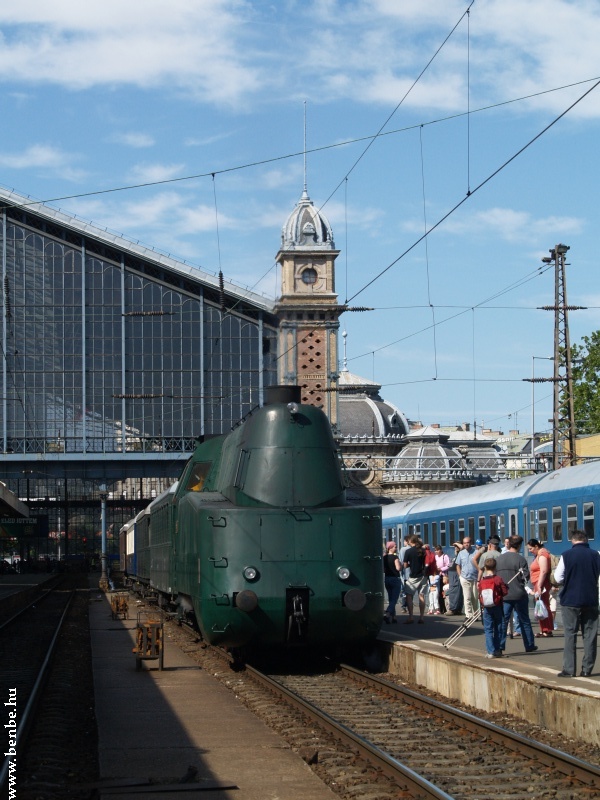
(539, 572)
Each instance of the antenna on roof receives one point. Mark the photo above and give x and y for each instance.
(305, 189)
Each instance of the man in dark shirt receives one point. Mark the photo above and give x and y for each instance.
(578, 570)
(514, 570)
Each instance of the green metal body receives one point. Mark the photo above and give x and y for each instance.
(270, 496)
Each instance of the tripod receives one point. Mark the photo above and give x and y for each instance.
(475, 618)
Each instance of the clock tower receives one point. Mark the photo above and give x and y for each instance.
(308, 309)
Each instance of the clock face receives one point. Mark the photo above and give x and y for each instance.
(309, 275)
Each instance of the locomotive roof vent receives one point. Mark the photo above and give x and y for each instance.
(282, 394)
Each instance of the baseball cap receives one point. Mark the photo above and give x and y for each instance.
(478, 542)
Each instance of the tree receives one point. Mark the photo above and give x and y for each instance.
(585, 360)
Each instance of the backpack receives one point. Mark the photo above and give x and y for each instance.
(553, 565)
(490, 592)
(430, 563)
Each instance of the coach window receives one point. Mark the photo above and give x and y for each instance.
(418, 528)
(571, 520)
(501, 525)
(588, 519)
(452, 532)
(434, 539)
(493, 525)
(443, 534)
(426, 532)
(532, 524)
(557, 524)
(482, 528)
(411, 530)
(542, 525)
(461, 529)
(472, 528)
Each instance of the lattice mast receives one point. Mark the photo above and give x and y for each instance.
(563, 417)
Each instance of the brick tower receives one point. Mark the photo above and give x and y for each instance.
(308, 309)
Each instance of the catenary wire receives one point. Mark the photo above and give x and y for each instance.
(476, 189)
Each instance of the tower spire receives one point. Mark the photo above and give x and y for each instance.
(305, 192)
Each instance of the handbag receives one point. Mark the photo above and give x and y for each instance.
(540, 611)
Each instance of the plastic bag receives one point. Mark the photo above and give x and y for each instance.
(540, 611)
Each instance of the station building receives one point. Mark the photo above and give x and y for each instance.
(116, 358)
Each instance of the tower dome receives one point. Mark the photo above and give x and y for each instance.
(306, 228)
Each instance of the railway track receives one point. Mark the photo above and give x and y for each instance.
(428, 748)
(27, 639)
(371, 738)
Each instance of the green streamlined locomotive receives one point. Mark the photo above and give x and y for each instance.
(256, 540)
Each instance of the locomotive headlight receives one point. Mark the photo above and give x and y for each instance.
(343, 573)
(250, 573)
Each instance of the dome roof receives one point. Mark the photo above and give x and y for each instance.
(427, 459)
(306, 228)
(362, 412)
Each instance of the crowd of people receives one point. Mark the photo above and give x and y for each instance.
(498, 583)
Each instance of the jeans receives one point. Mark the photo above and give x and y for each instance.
(392, 587)
(572, 617)
(493, 619)
(521, 606)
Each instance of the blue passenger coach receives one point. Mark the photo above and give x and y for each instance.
(548, 507)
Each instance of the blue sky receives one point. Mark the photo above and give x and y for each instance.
(95, 97)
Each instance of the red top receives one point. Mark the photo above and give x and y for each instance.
(534, 570)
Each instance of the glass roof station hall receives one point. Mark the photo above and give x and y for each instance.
(116, 357)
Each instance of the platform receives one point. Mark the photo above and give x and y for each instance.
(523, 684)
(164, 725)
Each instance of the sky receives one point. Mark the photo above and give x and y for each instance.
(183, 126)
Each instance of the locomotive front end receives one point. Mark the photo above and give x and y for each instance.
(282, 559)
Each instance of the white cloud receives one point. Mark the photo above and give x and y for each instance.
(507, 223)
(133, 139)
(44, 157)
(227, 52)
(196, 47)
(153, 173)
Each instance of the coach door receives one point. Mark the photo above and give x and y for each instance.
(513, 522)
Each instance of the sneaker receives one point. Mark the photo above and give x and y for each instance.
(583, 674)
(564, 674)
(497, 654)
(489, 655)
(531, 649)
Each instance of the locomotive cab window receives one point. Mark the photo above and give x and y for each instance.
(588, 519)
(571, 520)
(557, 524)
(198, 476)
